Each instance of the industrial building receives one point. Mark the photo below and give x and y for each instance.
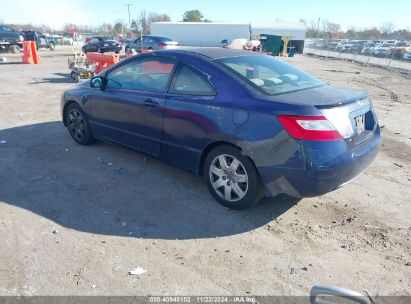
(211, 33)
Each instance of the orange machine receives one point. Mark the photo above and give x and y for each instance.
(102, 61)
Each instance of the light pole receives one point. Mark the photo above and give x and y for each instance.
(129, 20)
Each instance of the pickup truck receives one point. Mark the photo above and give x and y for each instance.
(42, 41)
(10, 40)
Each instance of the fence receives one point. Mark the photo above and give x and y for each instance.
(368, 55)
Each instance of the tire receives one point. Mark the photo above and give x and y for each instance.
(75, 76)
(15, 49)
(52, 46)
(78, 125)
(241, 185)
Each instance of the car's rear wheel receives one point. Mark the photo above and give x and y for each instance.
(232, 178)
(78, 125)
(14, 49)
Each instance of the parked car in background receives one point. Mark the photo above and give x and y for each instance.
(151, 42)
(407, 55)
(101, 45)
(383, 50)
(399, 49)
(344, 47)
(368, 48)
(359, 45)
(333, 45)
(249, 123)
(42, 41)
(10, 39)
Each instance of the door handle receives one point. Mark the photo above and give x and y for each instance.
(150, 103)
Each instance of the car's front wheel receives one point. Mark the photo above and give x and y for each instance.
(232, 178)
(78, 125)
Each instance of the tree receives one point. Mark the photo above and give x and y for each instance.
(106, 28)
(387, 28)
(141, 25)
(334, 29)
(118, 28)
(193, 16)
(154, 17)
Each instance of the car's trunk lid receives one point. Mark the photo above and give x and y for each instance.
(324, 96)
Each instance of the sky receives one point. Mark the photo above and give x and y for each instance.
(357, 13)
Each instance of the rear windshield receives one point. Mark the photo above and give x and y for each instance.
(165, 39)
(270, 75)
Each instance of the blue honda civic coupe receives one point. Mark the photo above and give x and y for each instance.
(251, 124)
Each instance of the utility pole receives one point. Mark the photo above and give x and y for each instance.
(129, 20)
(318, 28)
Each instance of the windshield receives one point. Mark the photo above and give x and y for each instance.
(269, 75)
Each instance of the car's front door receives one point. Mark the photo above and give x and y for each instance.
(130, 108)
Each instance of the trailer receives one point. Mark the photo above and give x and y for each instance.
(201, 33)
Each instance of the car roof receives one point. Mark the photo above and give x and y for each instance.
(211, 52)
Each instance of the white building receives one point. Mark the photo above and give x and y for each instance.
(211, 34)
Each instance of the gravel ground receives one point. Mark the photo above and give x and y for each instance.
(75, 220)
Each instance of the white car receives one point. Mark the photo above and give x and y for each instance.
(368, 49)
(344, 47)
(383, 50)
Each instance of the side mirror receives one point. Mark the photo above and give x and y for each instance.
(97, 82)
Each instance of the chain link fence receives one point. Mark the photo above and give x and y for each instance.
(389, 55)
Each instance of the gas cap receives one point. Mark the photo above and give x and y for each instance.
(240, 116)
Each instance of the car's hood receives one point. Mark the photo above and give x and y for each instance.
(322, 97)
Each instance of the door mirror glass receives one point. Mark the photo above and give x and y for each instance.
(96, 82)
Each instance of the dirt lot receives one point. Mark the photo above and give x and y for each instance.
(74, 220)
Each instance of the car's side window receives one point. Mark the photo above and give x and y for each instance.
(148, 74)
(187, 81)
(147, 39)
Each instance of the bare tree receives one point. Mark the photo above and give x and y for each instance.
(334, 29)
(387, 28)
(142, 23)
(154, 17)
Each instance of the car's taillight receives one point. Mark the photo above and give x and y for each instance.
(162, 44)
(309, 127)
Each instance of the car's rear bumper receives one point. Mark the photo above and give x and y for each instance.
(111, 49)
(320, 167)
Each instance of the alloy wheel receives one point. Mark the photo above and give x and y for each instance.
(76, 124)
